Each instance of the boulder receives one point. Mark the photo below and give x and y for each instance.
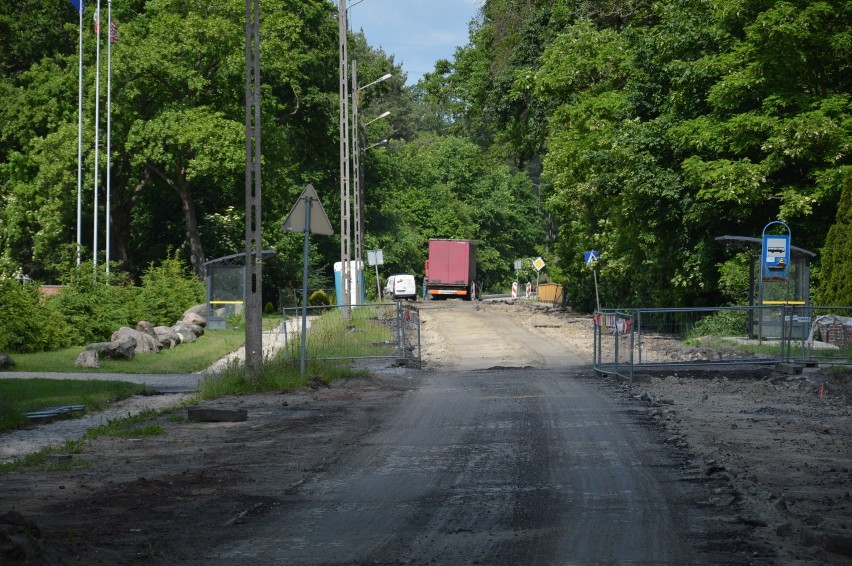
(87, 359)
(167, 337)
(146, 327)
(193, 318)
(145, 343)
(200, 310)
(187, 336)
(5, 361)
(118, 350)
(196, 329)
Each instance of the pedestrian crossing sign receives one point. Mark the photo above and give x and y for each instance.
(591, 257)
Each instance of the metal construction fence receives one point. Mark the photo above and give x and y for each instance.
(371, 331)
(628, 340)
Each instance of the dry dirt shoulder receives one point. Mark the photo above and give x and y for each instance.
(162, 499)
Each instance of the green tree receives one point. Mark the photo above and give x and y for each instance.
(835, 285)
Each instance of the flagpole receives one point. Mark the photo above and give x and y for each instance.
(109, 105)
(97, 130)
(80, 141)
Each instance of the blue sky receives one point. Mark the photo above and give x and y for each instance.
(416, 32)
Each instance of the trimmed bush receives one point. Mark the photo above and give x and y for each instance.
(27, 325)
(92, 309)
(319, 299)
(167, 291)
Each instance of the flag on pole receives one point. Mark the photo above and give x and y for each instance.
(97, 23)
(113, 32)
(78, 4)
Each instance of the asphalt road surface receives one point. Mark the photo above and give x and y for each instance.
(508, 452)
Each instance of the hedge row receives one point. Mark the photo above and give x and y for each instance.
(92, 305)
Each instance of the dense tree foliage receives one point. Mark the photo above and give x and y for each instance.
(836, 285)
(639, 129)
(661, 126)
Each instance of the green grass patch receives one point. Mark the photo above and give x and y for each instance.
(279, 374)
(368, 332)
(19, 396)
(185, 358)
(331, 340)
(132, 426)
(53, 459)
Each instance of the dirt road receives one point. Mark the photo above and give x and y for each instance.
(504, 449)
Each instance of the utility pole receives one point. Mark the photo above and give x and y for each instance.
(254, 244)
(345, 222)
(357, 207)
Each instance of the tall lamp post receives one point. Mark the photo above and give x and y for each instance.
(358, 206)
(345, 227)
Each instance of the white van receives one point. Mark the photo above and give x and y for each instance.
(401, 287)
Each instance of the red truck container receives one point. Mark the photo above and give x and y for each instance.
(451, 268)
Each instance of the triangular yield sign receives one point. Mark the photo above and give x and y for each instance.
(295, 221)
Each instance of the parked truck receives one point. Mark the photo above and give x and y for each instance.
(451, 269)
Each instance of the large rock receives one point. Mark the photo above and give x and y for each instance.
(87, 359)
(187, 336)
(145, 343)
(5, 361)
(119, 350)
(167, 337)
(146, 327)
(193, 318)
(199, 310)
(196, 329)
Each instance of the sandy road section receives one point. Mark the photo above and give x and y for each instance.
(472, 335)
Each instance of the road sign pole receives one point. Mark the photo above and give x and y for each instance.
(378, 284)
(597, 296)
(305, 284)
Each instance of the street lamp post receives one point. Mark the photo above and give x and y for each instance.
(345, 227)
(356, 159)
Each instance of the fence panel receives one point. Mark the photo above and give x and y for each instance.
(372, 331)
(614, 343)
(713, 336)
(821, 334)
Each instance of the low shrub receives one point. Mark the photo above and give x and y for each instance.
(92, 309)
(27, 325)
(167, 291)
(319, 299)
(722, 323)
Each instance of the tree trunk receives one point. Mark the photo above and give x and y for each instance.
(122, 211)
(184, 191)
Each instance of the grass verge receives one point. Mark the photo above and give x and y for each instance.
(52, 459)
(19, 396)
(367, 332)
(186, 358)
